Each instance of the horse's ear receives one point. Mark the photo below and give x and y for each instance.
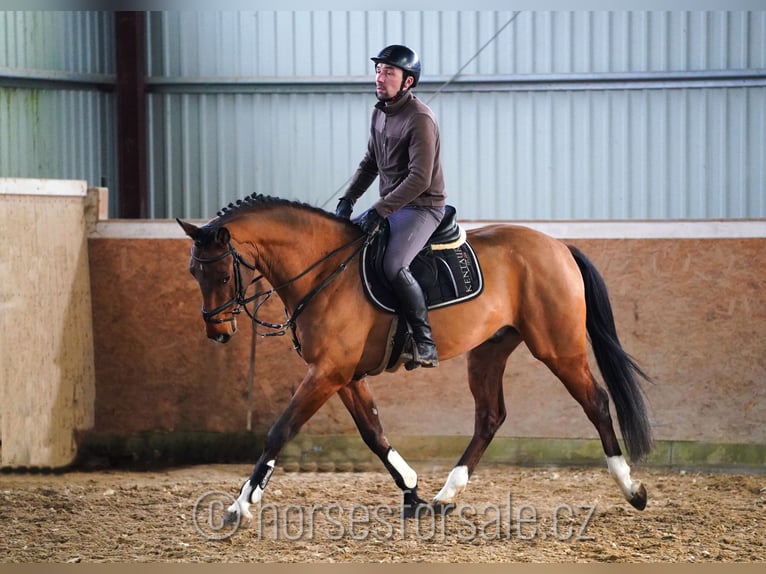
(223, 236)
(190, 229)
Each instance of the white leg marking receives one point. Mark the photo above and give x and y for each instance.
(620, 471)
(409, 476)
(248, 494)
(455, 485)
(242, 504)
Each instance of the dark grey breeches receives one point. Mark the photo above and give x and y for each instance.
(411, 226)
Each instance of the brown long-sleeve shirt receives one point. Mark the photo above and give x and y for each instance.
(403, 150)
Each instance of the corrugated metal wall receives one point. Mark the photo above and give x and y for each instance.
(56, 106)
(294, 44)
(563, 115)
(555, 115)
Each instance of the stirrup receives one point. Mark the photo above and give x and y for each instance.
(418, 361)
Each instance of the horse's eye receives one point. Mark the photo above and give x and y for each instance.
(225, 279)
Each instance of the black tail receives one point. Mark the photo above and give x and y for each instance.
(617, 367)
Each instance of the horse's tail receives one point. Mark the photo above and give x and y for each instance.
(617, 367)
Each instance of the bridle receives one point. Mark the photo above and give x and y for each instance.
(240, 299)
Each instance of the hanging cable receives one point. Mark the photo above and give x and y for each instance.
(472, 58)
(442, 87)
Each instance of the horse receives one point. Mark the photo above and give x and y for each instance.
(537, 290)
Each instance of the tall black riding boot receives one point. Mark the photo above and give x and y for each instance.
(413, 303)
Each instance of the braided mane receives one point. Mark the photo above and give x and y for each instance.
(260, 201)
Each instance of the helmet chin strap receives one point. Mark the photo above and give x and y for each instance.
(395, 98)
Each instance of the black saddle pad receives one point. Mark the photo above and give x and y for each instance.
(446, 268)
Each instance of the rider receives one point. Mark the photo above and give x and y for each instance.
(403, 149)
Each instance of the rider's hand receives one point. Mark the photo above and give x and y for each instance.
(370, 221)
(344, 209)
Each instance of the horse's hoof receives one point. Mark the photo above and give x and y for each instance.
(413, 505)
(416, 510)
(232, 518)
(426, 510)
(443, 509)
(638, 500)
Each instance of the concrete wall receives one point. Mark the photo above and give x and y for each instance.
(47, 379)
(689, 301)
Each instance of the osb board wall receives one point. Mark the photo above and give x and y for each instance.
(691, 311)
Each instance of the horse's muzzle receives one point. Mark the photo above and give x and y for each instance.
(221, 338)
(215, 333)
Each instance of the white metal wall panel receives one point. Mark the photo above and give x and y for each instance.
(672, 149)
(61, 134)
(321, 43)
(210, 149)
(77, 42)
(54, 122)
(520, 155)
(607, 155)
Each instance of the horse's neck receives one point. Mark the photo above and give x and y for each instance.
(285, 244)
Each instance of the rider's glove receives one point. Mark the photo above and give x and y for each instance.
(344, 209)
(370, 221)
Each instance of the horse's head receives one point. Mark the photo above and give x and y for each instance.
(218, 269)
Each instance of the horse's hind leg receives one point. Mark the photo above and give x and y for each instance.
(486, 365)
(358, 400)
(578, 379)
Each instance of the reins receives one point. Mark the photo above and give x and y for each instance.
(240, 300)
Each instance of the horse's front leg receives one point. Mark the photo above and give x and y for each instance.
(311, 394)
(358, 400)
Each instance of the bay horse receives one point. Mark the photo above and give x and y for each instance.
(537, 290)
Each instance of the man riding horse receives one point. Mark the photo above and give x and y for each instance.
(403, 150)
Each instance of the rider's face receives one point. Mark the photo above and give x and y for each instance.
(388, 81)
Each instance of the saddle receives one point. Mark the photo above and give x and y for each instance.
(447, 270)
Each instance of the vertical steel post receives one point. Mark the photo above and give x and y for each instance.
(130, 35)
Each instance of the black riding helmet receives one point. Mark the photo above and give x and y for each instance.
(401, 57)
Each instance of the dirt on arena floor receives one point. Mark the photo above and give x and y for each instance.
(507, 514)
